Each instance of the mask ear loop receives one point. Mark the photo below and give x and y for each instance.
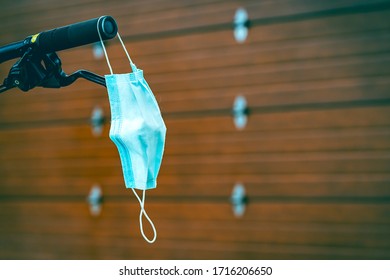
(143, 213)
(141, 202)
(133, 67)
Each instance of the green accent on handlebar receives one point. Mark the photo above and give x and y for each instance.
(34, 38)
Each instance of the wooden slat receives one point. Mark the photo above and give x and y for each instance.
(267, 36)
(263, 53)
(265, 122)
(348, 117)
(72, 220)
(60, 156)
(289, 162)
(250, 78)
(83, 248)
(235, 232)
(204, 145)
(294, 213)
(88, 94)
(330, 187)
(163, 16)
(344, 91)
(52, 152)
(276, 163)
(35, 145)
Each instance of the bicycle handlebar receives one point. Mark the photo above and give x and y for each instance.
(62, 38)
(77, 34)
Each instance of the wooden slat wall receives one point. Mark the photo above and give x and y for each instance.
(314, 156)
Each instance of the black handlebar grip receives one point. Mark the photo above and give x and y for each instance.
(77, 34)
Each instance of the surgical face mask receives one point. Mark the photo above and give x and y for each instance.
(137, 129)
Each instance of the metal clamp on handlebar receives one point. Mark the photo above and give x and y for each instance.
(40, 65)
(35, 69)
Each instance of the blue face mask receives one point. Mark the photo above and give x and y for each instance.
(138, 131)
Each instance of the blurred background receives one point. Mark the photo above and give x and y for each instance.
(278, 143)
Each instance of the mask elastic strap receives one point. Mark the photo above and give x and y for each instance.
(143, 212)
(133, 67)
(142, 202)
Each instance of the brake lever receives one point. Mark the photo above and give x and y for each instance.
(92, 77)
(60, 79)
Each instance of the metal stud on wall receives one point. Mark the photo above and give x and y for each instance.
(95, 199)
(241, 25)
(240, 112)
(97, 121)
(97, 50)
(239, 200)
